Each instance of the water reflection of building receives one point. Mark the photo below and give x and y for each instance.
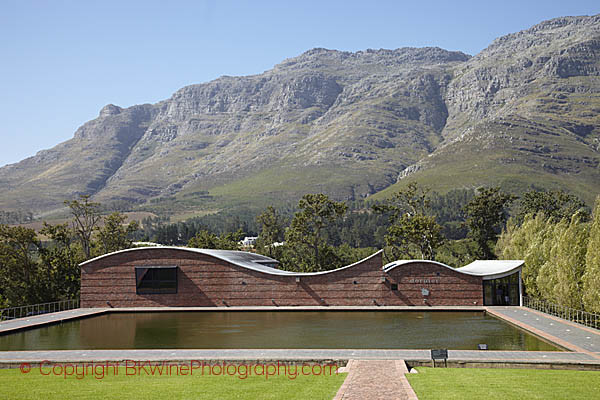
(177, 276)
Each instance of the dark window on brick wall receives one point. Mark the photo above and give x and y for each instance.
(394, 286)
(156, 280)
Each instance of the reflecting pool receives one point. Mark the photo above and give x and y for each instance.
(278, 329)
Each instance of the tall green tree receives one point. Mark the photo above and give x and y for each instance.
(554, 204)
(19, 283)
(531, 241)
(59, 263)
(207, 240)
(33, 272)
(86, 215)
(414, 236)
(486, 215)
(412, 200)
(560, 278)
(272, 231)
(306, 237)
(412, 232)
(114, 234)
(591, 277)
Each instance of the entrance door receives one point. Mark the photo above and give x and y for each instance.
(501, 291)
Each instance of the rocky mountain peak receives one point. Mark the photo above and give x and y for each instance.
(553, 34)
(319, 58)
(110, 109)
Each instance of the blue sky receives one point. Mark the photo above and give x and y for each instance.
(61, 61)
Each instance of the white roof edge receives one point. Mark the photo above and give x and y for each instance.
(481, 268)
(492, 267)
(208, 252)
(390, 266)
(211, 252)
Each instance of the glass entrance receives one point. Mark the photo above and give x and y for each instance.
(501, 291)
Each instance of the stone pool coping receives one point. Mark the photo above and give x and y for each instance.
(456, 358)
(582, 355)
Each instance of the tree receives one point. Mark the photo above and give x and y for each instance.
(554, 204)
(85, 217)
(591, 277)
(486, 215)
(560, 278)
(306, 235)
(531, 241)
(207, 240)
(114, 235)
(167, 234)
(272, 230)
(60, 261)
(412, 233)
(412, 200)
(18, 269)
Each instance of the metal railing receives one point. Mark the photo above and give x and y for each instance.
(570, 314)
(37, 309)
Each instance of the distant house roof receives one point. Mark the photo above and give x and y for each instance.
(248, 240)
(488, 269)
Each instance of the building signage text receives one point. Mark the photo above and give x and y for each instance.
(423, 280)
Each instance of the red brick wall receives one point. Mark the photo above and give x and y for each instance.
(446, 286)
(206, 281)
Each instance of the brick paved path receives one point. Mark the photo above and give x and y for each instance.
(376, 379)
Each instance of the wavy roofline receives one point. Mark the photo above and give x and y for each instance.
(496, 274)
(211, 252)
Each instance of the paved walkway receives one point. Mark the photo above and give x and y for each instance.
(316, 355)
(375, 380)
(50, 318)
(567, 334)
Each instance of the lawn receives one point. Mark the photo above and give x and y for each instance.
(33, 385)
(504, 384)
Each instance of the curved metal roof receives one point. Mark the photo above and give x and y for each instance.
(390, 266)
(489, 268)
(252, 261)
(256, 262)
(484, 268)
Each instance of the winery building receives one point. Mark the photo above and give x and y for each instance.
(187, 277)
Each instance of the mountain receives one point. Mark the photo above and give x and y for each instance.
(525, 112)
(522, 113)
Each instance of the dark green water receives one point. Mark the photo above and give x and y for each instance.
(276, 330)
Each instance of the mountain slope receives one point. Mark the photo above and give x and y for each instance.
(523, 112)
(78, 166)
(340, 122)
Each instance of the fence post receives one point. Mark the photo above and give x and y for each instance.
(36, 309)
(584, 318)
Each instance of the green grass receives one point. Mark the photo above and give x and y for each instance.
(17, 385)
(504, 384)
